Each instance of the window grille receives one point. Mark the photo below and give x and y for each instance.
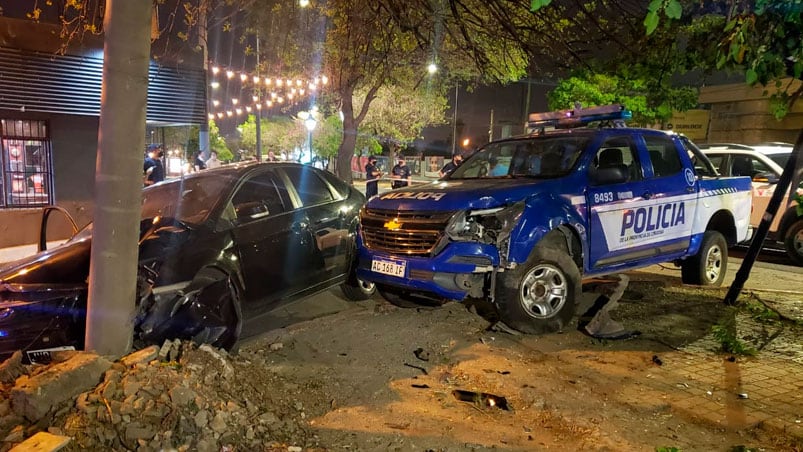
(27, 177)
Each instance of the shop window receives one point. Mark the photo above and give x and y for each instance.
(27, 177)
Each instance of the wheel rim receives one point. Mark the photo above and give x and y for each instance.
(366, 286)
(713, 263)
(797, 242)
(543, 291)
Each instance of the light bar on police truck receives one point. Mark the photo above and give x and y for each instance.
(579, 116)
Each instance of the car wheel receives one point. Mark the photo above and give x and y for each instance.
(221, 327)
(794, 242)
(355, 289)
(708, 266)
(539, 296)
(405, 299)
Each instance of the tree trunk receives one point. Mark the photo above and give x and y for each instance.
(118, 177)
(346, 150)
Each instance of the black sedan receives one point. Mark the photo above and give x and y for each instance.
(217, 248)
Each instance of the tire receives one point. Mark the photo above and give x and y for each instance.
(541, 295)
(403, 299)
(355, 289)
(793, 243)
(222, 328)
(708, 266)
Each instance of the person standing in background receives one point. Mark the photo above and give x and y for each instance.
(372, 175)
(153, 168)
(447, 169)
(213, 161)
(199, 164)
(400, 174)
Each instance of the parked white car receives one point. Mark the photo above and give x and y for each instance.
(764, 163)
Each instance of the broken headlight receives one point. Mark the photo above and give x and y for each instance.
(484, 225)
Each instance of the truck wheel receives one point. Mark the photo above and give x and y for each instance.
(794, 242)
(540, 295)
(404, 299)
(355, 289)
(708, 266)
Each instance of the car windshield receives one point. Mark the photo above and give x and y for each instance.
(541, 157)
(189, 200)
(780, 159)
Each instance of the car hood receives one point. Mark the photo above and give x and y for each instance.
(458, 194)
(69, 263)
(65, 264)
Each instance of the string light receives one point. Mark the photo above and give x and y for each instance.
(287, 90)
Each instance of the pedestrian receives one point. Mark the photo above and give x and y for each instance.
(153, 169)
(212, 161)
(447, 169)
(400, 174)
(272, 157)
(199, 164)
(372, 175)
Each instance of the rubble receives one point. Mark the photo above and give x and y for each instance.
(177, 397)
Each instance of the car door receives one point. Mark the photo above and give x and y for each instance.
(274, 257)
(649, 215)
(671, 192)
(611, 235)
(323, 208)
(747, 164)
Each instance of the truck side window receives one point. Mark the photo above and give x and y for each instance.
(619, 152)
(663, 155)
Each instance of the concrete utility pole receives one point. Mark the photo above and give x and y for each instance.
(118, 177)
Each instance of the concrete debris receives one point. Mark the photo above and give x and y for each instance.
(11, 368)
(144, 402)
(33, 397)
(143, 356)
(42, 442)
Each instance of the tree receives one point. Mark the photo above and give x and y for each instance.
(280, 134)
(648, 106)
(365, 47)
(218, 144)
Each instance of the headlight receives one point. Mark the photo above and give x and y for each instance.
(486, 225)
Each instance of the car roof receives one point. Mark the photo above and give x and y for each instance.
(763, 148)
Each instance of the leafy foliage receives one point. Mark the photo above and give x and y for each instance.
(725, 333)
(218, 144)
(592, 89)
(280, 134)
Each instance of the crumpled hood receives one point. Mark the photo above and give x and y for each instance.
(457, 194)
(65, 264)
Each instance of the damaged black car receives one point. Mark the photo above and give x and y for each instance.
(217, 248)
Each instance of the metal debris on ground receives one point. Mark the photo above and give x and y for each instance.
(481, 399)
(601, 325)
(421, 354)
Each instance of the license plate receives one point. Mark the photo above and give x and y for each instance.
(392, 268)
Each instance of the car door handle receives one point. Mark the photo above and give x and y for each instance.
(647, 195)
(690, 189)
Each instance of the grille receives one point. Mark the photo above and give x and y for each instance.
(418, 235)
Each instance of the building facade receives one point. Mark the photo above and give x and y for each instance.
(49, 117)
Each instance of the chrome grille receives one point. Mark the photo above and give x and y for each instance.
(418, 235)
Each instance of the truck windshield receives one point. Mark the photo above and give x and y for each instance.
(541, 157)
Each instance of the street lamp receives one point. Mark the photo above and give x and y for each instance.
(309, 122)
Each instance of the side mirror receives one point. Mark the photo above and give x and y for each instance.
(767, 177)
(609, 175)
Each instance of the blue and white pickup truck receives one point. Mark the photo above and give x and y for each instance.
(524, 219)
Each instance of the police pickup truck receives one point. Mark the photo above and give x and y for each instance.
(524, 219)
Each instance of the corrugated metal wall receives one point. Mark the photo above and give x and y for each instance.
(42, 82)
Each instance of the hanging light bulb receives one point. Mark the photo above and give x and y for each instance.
(215, 102)
(215, 70)
(239, 111)
(324, 79)
(235, 101)
(243, 76)
(259, 106)
(229, 73)
(248, 108)
(229, 113)
(256, 80)
(268, 81)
